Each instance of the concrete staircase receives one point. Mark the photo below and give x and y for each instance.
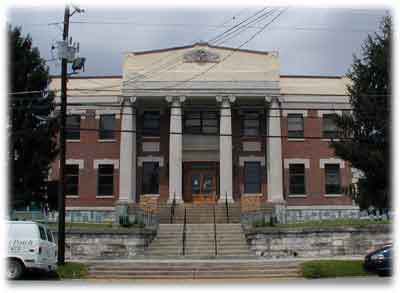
(200, 213)
(200, 242)
(191, 269)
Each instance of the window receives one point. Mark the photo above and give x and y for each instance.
(332, 179)
(251, 124)
(201, 122)
(49, 235)
(72, 179)
(150, 178)
(105, 180)
(295, 126)
(252, 177)
(107, 125)
(297, 179)
(329, 126)
(73, 124)
(151, 123)
(42, 233)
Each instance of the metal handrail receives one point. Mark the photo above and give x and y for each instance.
(172, 213)
(215, 232)
(227, 207)
(184, 233)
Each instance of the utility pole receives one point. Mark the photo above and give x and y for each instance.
(63, 114)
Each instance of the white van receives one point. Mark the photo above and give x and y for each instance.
(30, 246)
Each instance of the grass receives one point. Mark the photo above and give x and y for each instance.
(72, 270)
(333, 269)
(334, 223)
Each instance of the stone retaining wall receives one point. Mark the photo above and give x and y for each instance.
(317, 242)
(88, 244)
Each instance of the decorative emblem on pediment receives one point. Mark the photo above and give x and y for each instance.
(201, 56)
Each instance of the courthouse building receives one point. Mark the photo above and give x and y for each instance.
(203, 124)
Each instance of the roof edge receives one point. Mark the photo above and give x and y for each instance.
(200, 44)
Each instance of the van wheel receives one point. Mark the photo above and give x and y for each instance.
(15, 269)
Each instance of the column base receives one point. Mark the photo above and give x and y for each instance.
(177, 200)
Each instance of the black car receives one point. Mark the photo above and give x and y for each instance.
(379, 261)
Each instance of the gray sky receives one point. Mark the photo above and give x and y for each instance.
(310, 41)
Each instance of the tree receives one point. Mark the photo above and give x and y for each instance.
(368, 125)
(32, 131)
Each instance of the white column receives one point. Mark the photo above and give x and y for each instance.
(274, 152)
(127, 169)
(175, 149)
(225, 149)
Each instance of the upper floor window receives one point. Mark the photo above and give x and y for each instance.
(72, 179)
(297, 179)
(295, 126)
(197, 122)
(105, 179)
(252, 177)
(107, 126)
(73, 125)
(332, 179)
(329, 126)
(150, 178)
(151, 123)
(251, 124)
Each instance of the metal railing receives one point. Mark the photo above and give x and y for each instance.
(184, 234)
(227, 207)
(172, 213)
(215, 232)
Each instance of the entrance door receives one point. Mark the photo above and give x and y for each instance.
(201, 183)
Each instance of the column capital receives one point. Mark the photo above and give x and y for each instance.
(127, 100)
(171, 99)
(273, 98)
(231, 99)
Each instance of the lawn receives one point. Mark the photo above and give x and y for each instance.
(333, 269)
(72, 270)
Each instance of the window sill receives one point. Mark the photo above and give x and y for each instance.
(295, 139)
(150, 195)
(104, 196)
(150, 137)
(252, 194)
(297, 195)
(330, 139)
(106, 140)
(334, 195)
(73, 140)
(72, 196)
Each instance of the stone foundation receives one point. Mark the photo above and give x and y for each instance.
(149, 203)
(250, 203)
(311, 242)
(106, 244)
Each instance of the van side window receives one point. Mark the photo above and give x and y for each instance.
(49, 235)
(42, 233)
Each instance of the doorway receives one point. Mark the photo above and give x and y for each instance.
(201, 182)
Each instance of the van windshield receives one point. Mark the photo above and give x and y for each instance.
(42, 233)
(49, 235)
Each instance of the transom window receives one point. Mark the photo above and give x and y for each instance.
(198, 122)
(332, 179)
(251, 124)
(73, 123)
(151, 123)
(329, 126)
(150, 178)
(297, 179)
(107, 126)
(252, 177)
(72, 179)
(105, 179)
(295, 126)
